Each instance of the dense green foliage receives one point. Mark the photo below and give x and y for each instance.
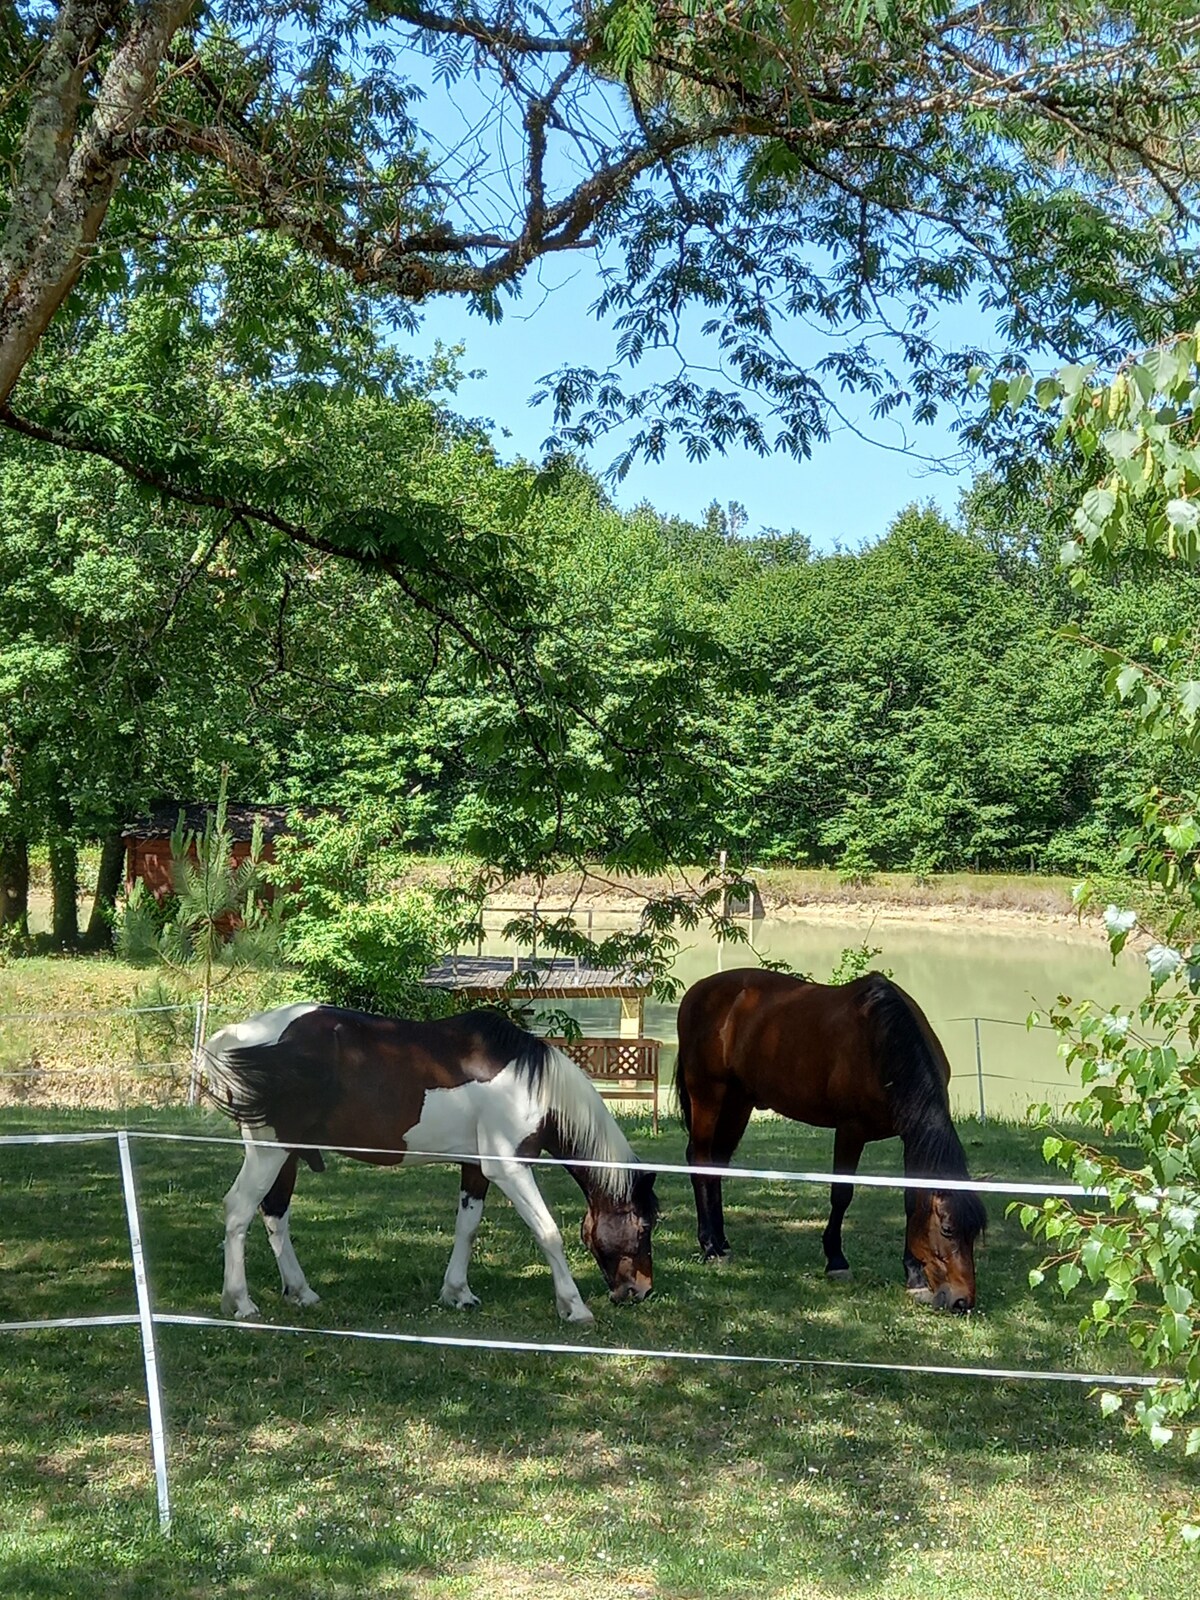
(215, 221)
(1136, 1245)
(350, 935)
(282, 178)
(674, 689)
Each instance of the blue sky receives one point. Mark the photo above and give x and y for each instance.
(846, 493)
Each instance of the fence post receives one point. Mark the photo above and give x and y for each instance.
(979, 1071)
(158, 1440)
(197, 1041)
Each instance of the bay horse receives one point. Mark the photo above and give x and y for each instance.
(860, 1058)
(393, 1092)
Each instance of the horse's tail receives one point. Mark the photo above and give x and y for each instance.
(682, 1093)
(683, 1056)
(258, 1081)
(916, 1074)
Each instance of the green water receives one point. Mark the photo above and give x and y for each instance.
(956, 972)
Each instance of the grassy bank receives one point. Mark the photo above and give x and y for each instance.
(784, 889)
(303, 1465)
(67, 1038)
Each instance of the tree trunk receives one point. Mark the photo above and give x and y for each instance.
(69, 166)
(14, 884)
(99, 934)
(64, 888)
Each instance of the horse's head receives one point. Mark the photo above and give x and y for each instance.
(617, 1232)
(942, 1229)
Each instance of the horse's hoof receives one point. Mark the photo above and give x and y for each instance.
(839, 1274)
(716, 1258)
(302, 1297)
(459, 1299)
(578, 1314)
(246, 1310)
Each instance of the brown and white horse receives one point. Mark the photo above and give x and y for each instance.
(391, 1092)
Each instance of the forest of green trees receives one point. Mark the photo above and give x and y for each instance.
(908, 704)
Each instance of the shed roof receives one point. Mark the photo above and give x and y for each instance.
(160, 822)
(557, 979)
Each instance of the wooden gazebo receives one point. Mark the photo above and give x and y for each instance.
(624, 1067)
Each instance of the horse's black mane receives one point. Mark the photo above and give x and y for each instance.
(508, 1042)
(920, 1103)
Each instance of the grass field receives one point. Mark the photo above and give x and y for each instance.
(311, 1466)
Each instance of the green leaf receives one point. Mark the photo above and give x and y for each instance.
(1121, 443)
(1018, 388)
(1047, 391)
(1109, 1403)
(1128, 679)
(1069, 1275)
(1183, 835)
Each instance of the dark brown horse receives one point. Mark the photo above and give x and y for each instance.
(391, 1092)
(859, 1058)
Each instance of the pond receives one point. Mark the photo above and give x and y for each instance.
(957, 971)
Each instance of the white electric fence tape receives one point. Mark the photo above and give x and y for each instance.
(638, 1353)
(770, 1174)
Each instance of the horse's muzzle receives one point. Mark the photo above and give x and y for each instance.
(631, 1291)
(943, 1300)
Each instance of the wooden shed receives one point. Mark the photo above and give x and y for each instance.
(624, 1066)
(148, 839)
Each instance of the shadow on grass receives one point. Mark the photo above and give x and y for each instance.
(354, 1467)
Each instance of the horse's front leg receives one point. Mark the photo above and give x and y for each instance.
(847, 1151)
(455, 1289)
(518, 1184)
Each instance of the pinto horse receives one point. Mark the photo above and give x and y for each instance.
(860, 1058)
(392, 1092)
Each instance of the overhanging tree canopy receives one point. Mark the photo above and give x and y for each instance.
(217, 221)
(287, 173)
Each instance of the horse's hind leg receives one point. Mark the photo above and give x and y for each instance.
(276, 1206)
(455, 1289)
(716, 1133)
(260, 1168)
(847, 1150)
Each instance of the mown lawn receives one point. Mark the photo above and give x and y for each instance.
(305, 1466)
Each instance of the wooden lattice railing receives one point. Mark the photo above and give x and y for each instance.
(621, 1069)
